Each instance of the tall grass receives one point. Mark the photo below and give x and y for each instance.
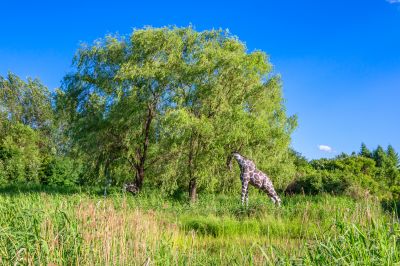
(76, 228)
(375, 244)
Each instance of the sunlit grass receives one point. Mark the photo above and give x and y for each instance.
(81, 228)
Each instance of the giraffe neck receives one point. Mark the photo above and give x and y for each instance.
(244, 163)
(240, 159)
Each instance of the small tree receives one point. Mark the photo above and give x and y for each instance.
(364, 151)
(393, 156)
(379, 155)
(28, 103)
(19, 153)
(26, 128)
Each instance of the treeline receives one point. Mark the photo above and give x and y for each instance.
(165, 107)
(360, 174)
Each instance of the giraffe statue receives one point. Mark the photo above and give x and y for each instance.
(250, 174)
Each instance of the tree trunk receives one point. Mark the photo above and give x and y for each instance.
(139, 177)
(192, 179)
(141, 154)
(192, 190)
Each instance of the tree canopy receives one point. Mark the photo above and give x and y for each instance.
(176, 102)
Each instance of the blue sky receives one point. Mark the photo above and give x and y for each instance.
(339, 60)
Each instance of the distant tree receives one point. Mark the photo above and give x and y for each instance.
(364, 151)
(387, 162)
(342, 155)
(379, 155)
(19, 153)
(29, 132)
(28, 103)
(393, 156)
(299, 160)
(392, 167)
(26, 129)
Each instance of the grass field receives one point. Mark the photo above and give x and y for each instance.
(69, 227)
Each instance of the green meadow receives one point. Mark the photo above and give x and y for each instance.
(81, 227)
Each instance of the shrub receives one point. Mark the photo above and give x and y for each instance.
(318, 182)
(59, 171)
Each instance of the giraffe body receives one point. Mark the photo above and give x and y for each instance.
(249, 174)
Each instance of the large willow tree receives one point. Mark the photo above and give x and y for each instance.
(170, 104)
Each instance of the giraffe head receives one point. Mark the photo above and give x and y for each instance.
(239, 158)
(235, 155)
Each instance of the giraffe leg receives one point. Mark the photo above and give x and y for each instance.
(270, 191)
(244, 189)
(274, 196)
(277, 200)
(247, 195)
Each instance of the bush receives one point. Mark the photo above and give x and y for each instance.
(59, 171)
(19, 153)
(319, 182)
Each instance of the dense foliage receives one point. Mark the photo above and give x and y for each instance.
(171, 104)
(357, 175)
(29, 136)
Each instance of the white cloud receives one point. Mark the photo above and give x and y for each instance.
(325, 148)
(393, 1)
